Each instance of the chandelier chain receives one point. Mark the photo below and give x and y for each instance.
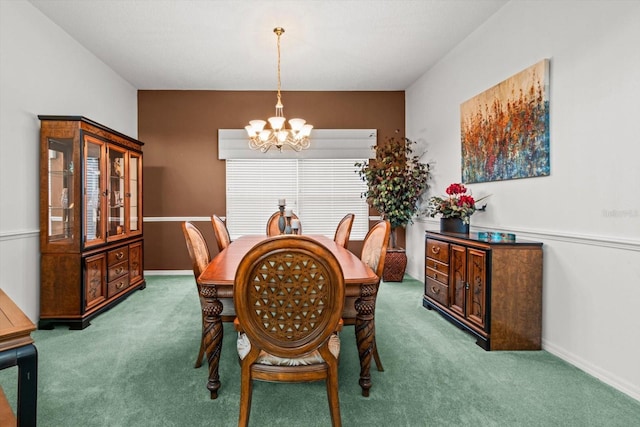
(279, 106)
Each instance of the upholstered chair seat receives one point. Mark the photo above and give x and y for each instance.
(244, 347)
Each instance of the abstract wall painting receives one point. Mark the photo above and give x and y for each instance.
(505, 129)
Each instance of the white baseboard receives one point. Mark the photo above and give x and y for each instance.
(168, 272)
(619, 384)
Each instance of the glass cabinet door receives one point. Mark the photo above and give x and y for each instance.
(60, 192)
(116, 192)
(134, 193)
(94, 152)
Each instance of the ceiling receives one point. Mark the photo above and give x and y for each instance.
(230, 44)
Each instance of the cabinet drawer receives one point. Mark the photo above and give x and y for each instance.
(436, 275)
(438, 250)
(118, 270)
(437, 267)
(437, 291)
(117, 286)
(118, 255)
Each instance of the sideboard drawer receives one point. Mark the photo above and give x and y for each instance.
(439, 267)
(438, 250)
(437, 291)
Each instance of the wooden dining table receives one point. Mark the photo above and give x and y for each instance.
(217, 280)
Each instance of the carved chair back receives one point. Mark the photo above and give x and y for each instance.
(289, 296)
(222, 233)
(272, 224)
(197, 247)
(374, 247)
(343, 230)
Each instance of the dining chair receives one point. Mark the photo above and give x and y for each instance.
(272, 224)
(222, 233)
(343, 230)
(289, 294)
(374, 251)
(200, 258)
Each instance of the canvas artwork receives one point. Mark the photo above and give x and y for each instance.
(505, 130)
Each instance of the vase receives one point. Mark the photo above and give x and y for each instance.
(453, 225)
(395, 264)
(281, 220)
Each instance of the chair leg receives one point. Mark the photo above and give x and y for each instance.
(376, 357)
(246, 389)
(332, 394)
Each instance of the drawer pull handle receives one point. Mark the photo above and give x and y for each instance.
(435, 249)
(119, 255)
(120, 285)
(435, 290)
(119, 270)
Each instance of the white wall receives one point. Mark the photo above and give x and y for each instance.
(587, 212)
(42, 71)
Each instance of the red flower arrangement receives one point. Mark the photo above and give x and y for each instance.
(458, 203)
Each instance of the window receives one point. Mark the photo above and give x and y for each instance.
(320, 192)
(320, 184)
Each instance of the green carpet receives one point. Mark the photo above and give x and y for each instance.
(134, 367)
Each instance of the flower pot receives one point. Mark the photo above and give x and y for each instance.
(395, 264)
(453, 225)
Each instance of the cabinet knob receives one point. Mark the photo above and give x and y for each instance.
(120, 285)
(120, 255)
(435, 290)
(119, 270)
(435, 249)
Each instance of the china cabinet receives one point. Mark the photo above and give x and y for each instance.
(492, 289)
(91, 242)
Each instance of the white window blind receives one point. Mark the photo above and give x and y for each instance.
(253, 190)
(319, 191)
(328, 190)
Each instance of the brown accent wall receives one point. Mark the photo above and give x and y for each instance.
(182, 174)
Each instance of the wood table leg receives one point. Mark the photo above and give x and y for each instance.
(212, 334)
(365, 334)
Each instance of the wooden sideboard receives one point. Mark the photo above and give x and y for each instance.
(17, 349)
(491, 289)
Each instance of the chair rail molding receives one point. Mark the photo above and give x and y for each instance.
(576, 238)
(19, 234)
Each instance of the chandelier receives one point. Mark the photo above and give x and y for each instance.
(278, 136)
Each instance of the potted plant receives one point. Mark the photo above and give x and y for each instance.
(456, 208)
(395, 181)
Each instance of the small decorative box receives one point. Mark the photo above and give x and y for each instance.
(495, 236)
